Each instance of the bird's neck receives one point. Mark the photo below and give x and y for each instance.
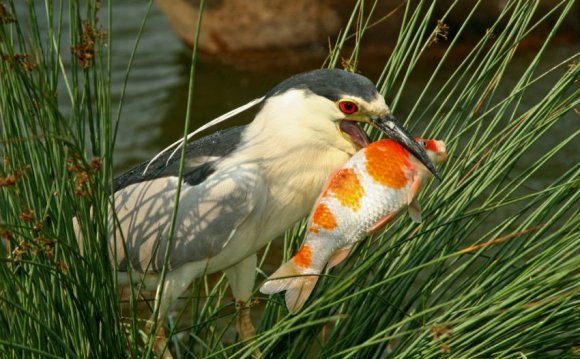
(295, 171)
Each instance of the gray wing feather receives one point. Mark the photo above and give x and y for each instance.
(200, 156)
(211, 213)
(218, 209)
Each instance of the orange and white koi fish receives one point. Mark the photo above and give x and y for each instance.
(360, 198)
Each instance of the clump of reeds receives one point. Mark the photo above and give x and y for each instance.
(56, 145)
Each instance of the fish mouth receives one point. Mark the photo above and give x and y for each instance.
(355, 133)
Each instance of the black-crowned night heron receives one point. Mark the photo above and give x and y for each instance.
(244, 186)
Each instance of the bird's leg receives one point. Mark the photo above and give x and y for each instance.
(175, 283)
(242, 277)
(244, 324)
(159, 337)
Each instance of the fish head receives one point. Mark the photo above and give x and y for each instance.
(436, 150)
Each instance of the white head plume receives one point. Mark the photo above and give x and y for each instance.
(177, 144)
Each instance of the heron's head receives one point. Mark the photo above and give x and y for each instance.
(327, 107)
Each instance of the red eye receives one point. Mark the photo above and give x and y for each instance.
(348, 107)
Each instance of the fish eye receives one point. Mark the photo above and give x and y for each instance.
(423, 143)
(348, 107)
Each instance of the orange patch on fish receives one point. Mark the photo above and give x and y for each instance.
(386, 163)
(323, 217)
(304, 256)
(346, 187)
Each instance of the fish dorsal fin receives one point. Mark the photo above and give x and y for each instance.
(381, 223)
(339, 256)
(415, 211)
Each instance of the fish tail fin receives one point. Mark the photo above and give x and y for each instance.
(295, 280)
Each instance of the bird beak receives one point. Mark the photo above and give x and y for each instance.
(395, 131)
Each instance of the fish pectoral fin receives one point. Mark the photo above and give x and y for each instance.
(381, 223)
(415, 187)
(415, 211)
(339, 256)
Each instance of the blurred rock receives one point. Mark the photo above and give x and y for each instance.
(236, 26)
(240, 25)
